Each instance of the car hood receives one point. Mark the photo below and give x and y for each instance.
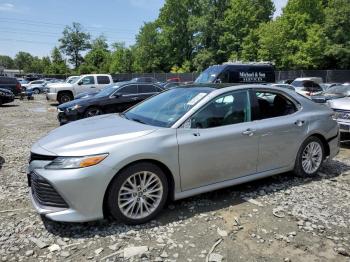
(341, 103)
(91, 136)
(85, 101)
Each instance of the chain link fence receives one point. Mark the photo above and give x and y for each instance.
(328, 76)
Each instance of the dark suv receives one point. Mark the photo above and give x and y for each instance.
(10, 83)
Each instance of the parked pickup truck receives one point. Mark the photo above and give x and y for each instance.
(10, 83)
(65, 92)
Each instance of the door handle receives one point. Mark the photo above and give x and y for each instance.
(248, 132)
(299, 122)
(92, 87)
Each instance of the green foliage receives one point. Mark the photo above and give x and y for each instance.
(97, 59)
(190, 35)
(6, 62)
(73, 42)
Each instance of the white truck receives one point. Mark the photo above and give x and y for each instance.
(65, 92)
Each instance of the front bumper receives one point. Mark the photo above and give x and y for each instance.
(344, 126)
(7, 99)
(334, 146)
(82, 189)
(65, 117)
(51, 96)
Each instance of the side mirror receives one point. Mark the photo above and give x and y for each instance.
(117, 95)
(80, 83)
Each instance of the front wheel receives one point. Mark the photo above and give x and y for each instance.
(36, 91)
(138, 193)
(93, 111)
(309, 158)
(64, 97)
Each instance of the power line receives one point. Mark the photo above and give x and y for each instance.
(47, 34)
(26, 41)
(41, 23)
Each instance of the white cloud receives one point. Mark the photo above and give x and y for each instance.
(7, 7)
(279, 4)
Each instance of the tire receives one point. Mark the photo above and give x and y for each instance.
(64, 97)
(117, 196)
(93, 111)
(309, 167)
(36, 91)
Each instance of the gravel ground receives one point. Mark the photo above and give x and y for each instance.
(281, 218)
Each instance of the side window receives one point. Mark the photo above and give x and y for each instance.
(269, 104)
(224, 77)
(147, 89)
(88, 80)
(229, 109)
(317, 87)
(130, 89)
(103, 80)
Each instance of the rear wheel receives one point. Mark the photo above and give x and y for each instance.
(310, 157)
(138, 193)
(36, 91)
(93, 111)
(64, 97)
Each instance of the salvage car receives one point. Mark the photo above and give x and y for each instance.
(114, 98)
(331, 93)
(10, 83)
(6, 96)
(341, 107)
(185, 141)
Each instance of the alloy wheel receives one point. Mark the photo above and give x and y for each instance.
(312, 157)
(65, 99)
(140, 195)
(93, 112)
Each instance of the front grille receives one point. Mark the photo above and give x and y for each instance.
(44, 193)
(34, 156)
(343, 114)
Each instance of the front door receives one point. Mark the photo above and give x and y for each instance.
(219, 142)
(86, 84)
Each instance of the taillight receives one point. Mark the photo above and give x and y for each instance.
(18, 87)
(308, 93)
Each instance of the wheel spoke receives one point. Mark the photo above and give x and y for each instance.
(145, 186)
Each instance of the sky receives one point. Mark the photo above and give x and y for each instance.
(35, 26)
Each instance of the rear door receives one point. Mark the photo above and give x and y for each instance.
(147, 90)
(103, 81)
(124, 97)
(280, 127)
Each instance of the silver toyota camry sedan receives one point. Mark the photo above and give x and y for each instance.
(182, 142)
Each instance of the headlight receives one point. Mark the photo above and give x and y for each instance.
(75, 162)
(73, 107)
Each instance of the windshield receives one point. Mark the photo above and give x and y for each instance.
(338, 90)
(165, 109)
(209, 75)
(107, 90)
(73, 79)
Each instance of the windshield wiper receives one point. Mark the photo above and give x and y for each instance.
(137, 120)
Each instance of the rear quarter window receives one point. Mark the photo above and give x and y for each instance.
(103, 80)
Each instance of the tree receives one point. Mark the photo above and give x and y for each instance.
(97, 59)
(6, 61)
(23, 60)
(58, 65)
(337, 28)
(150, 52)
(121, 59)
(241, 18)
(73, 42)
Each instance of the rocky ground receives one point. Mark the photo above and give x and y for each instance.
(282, 218)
